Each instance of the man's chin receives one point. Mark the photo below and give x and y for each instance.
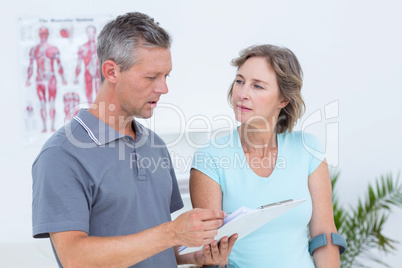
(144, 116)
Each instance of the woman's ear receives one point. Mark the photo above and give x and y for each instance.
(283, 103)
(110, 70)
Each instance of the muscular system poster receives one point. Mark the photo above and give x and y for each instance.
(59, 71)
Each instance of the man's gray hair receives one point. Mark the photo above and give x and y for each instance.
(119, 39)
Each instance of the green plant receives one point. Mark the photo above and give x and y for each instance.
(362, 225)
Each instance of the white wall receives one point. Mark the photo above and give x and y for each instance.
(350, 52)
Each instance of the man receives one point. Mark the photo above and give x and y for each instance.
(45, 56)
(94, 193)
(87, 54)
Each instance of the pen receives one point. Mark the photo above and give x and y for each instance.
(276, 203)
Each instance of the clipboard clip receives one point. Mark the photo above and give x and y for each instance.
(276, 204)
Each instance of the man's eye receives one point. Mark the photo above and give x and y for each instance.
(151, 77)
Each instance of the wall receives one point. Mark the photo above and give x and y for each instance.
(350, 52)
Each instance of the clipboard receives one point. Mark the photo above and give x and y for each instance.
(244, 221)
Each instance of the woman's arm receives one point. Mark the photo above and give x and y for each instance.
(204, 191)
(322, 220)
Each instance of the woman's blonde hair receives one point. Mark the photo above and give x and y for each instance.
(289, 75)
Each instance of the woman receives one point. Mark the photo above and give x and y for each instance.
(263, 161)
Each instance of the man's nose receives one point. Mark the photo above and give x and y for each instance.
(162, 87)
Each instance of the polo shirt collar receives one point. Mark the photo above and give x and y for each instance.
(140, 131)
(100, 132)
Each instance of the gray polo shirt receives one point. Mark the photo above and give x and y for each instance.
(91, 178)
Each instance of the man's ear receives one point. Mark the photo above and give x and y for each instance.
(110, 69)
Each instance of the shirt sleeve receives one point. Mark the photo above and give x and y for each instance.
(176, 202)
(61, 198)
(206, 161)
(315, 150)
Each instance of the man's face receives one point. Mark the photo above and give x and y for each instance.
(91, 33)
(43, 34)
(138, 89)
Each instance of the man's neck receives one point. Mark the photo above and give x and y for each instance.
(108, 113)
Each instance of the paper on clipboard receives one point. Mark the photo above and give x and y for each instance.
(245, 220)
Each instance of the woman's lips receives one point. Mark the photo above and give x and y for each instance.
(243, 108)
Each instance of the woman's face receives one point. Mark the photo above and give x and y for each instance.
(256, 97)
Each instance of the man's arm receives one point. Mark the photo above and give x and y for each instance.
(56, 56)
(192, 229)
(30, 67)
(79, 61)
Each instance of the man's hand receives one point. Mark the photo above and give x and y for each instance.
(216, 253)
(197, 227)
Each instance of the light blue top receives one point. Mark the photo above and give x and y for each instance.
(283, 242)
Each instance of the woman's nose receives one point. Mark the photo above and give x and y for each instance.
(244, 92)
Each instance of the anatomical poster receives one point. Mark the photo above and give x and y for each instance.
(59, 71)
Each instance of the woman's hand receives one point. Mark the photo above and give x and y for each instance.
(216, 253)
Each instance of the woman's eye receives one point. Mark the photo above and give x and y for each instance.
(238, 82)
(151, 77)
(259, 87)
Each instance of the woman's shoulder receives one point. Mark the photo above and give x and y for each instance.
(301, 139)
(219, 143)
(299, 136)
(224, 138)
